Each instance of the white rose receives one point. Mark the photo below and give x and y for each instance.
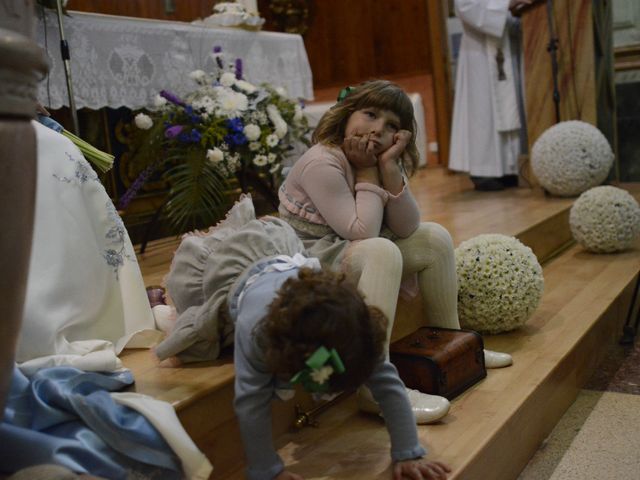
(227, 79)
(215, 156)
(143, 121)
(252, 132)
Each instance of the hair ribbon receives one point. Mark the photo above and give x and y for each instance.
(344, 93)
(320, 366)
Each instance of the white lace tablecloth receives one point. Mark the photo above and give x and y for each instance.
(123, 61)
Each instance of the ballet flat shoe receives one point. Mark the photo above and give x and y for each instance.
(426, 408)
(496, 359)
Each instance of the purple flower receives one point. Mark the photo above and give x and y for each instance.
(195, 136)
(239, 68)
(133, 189)
(192, 116)
(218, 49)
(235, 125)
(235, 139)
(174, 131)
(171, 98)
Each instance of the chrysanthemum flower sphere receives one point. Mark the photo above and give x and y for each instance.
(500, 283)
(571, 157)
(605, 219)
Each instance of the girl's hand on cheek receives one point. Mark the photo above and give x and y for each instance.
(359, 151)
(395, 151)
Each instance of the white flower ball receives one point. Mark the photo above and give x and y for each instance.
(500, 283)
(605, 219)
(571, 157)
(143, 121)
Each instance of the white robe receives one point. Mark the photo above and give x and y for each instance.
(485, 135)
(85, 297)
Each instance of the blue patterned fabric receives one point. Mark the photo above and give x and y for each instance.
(51, 123)
(65, 416)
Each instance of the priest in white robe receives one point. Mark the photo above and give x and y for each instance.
(488, 131)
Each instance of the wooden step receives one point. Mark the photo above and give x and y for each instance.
(202, 394)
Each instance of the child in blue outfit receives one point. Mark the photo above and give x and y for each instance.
(248, 282)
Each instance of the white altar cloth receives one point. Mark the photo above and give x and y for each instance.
(314, 112)
(123, 61)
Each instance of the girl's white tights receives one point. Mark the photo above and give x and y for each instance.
(379, 265)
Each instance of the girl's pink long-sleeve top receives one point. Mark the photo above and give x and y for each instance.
(321, 189)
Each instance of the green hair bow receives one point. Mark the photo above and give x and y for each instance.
(344, 93)
(321, 365)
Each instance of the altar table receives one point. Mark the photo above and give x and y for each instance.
(122, 61)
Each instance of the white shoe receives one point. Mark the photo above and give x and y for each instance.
(496, 359)
(426, 408)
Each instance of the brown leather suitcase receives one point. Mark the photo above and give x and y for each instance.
(439, 361)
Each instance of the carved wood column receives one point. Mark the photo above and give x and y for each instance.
(573, 25)
(22, 65)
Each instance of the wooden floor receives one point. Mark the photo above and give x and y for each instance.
(492, 429)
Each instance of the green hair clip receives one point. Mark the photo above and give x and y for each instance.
(344, 93)
(320, 366)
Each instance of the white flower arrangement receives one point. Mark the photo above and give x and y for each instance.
(571, 157)
(605, 219)
(500, 283)
(232, 14)
(225, 130)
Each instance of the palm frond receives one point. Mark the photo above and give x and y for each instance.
(197, 194)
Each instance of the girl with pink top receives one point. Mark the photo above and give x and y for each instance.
(349, 201)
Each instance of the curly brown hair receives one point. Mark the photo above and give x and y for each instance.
(381, 94)
(322, 308)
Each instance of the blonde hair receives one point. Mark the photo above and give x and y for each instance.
(381, 94)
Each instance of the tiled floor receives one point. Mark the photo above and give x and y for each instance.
(599, 436)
